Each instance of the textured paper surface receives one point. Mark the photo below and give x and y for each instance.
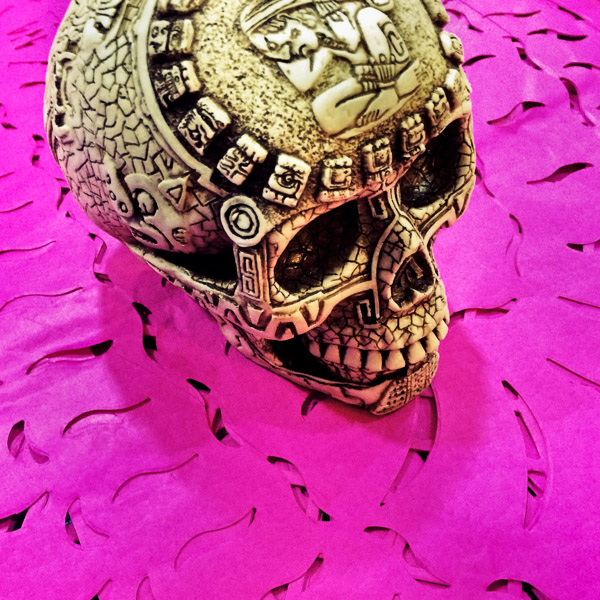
(140, 459)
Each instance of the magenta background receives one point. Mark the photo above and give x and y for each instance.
(487, 486)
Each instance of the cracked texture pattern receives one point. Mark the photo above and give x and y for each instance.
(142, 460)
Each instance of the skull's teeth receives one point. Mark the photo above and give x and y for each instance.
(395, 360)
(431, 342)
(416, 353)
(441, 330)
(332, 353)
(352, 358)
(375, 361)
(314, 349)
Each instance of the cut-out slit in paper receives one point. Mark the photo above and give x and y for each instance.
(575, 101)
(587, 248)
(562, 172)
(15, 208)
(217, 427)
(480, 176)
(512, 249)
(476, 59)
(16, 439)
(575, 375)
(15, 521)
(311, 402)
(144, 591)
(198, 385)
(517, 589)
(39, 142)
(71, 531)
(148, 338)
(24, 296)
(513, 116)
(570, 12)
(298, 585)
(518, 15)
(76, 354)
(583, 65)
(460, 15)
(19, 446)
(130, 480)
(299, 489)
(186, 550)
(580, 302)
(27, 250)
(79, 531)
(414, 566)
(214, 417)
(104, 592)
(486, 313)
(100, 416)
(63, 193)
(536, 454)
(566, 37)
(425, 419)
(520, 46)
(100, 276)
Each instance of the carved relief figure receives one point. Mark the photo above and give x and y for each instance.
(305, 36)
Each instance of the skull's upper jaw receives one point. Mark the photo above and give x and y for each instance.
(381, 396)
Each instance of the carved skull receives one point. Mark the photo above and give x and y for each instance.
(288, 163)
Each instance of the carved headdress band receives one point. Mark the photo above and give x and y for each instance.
(260, 12)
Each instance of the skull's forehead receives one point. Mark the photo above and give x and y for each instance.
(266, 104)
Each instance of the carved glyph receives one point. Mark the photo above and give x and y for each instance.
(336, 179)
(237, 163)
(202, 123)
(287, 181)
(288, 163)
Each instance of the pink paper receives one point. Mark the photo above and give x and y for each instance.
(141, 458)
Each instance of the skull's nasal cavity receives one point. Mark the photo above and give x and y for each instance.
(326, 252)
(414, 282)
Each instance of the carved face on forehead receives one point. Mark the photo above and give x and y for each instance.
(289, 171)
(289, 37)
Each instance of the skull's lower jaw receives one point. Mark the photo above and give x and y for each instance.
(381, 392)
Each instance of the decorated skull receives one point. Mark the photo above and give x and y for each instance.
(288, 163)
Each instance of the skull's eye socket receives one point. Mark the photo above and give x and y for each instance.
(434, 171)
(217, 270)
(320, 254)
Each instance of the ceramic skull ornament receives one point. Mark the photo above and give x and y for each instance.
(288, 163)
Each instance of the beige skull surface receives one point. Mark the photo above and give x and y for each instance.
(288, 163)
